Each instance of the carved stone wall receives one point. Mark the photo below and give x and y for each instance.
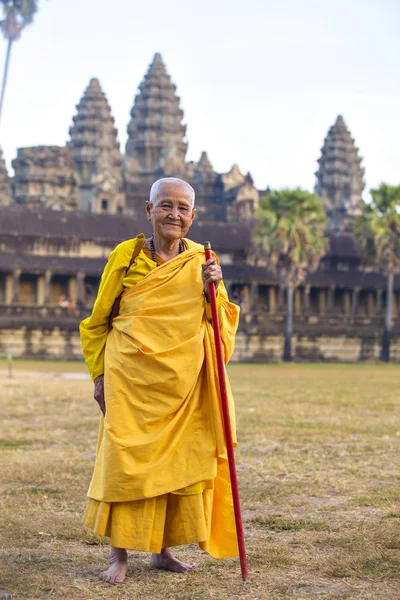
(63, 343)
(94, 149)
(44, 177)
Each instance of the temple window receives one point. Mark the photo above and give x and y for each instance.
(104, 205)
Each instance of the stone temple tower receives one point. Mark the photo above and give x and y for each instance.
(340, 177)
(156, 136)
(94, 149)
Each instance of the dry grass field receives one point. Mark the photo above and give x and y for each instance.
(318, 464)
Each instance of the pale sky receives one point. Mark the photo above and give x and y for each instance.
(260, 81)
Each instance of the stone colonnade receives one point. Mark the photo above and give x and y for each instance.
(47, 288)
(311, 299)
(18, 287)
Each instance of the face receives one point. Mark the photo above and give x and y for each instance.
(172, 214)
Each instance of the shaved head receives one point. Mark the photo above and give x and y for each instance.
(156, 187)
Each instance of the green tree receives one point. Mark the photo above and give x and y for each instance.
(17, 15)
(290, 229)
(377, 232)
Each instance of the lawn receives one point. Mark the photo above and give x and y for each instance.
(318, 467)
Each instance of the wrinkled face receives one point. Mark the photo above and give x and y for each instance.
(172, 214)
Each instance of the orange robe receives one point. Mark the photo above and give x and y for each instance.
(161, 476)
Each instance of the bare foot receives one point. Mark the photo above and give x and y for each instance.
(167, 561)
(118, 566)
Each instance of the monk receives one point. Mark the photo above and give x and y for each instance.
(161, 477)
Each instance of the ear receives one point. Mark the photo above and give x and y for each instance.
(149, 207)
(193, 214)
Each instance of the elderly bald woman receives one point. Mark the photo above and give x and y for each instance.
(161, 477)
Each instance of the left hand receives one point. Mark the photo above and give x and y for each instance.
(211, 272)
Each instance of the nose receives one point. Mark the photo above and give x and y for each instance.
(174, 213)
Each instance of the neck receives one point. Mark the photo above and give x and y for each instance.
(166, 249)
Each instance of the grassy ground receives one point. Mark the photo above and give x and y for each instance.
(50, 367)
(318, 465)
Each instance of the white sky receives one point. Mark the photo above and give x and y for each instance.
(260, 81)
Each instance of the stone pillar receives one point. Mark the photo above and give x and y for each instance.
(297, 301)
(253, 300)
(272, 299)
(9, 289)
(378, 308)
(72, 288)
(281, 297)
(15, 285)
(322, 301)
(347, 302)
(40, 290)
(46, 287)
(80, 282)
(246, 298)
(306, 298)
(354, 301)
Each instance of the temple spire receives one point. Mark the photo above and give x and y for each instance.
(204, 172)
(340, 176)
(155, 132)
(94, 148)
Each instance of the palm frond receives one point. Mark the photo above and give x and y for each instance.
(291, 224)
(17, 15)
(377, 229)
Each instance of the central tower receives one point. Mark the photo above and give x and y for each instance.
(156, 135)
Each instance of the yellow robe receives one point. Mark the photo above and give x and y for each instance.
(163, 430)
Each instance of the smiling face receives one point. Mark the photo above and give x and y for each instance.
(172, 213)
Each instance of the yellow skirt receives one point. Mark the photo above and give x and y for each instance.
(151, 524)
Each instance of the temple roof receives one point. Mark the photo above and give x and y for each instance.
(155, 132)
(21, 222)
(204, 171)
(340, 175)
(93, 131)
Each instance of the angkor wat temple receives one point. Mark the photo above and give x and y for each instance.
(67, 207)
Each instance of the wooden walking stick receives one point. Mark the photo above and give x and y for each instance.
(227, 422)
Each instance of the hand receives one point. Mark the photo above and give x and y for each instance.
(99, 393)
(211, 273)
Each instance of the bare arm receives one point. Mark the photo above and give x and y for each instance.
(99, 393)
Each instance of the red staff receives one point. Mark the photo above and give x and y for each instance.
(227, 422)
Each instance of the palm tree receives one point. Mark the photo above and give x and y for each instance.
(377, 232)
(290, 229)
(17, 15)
